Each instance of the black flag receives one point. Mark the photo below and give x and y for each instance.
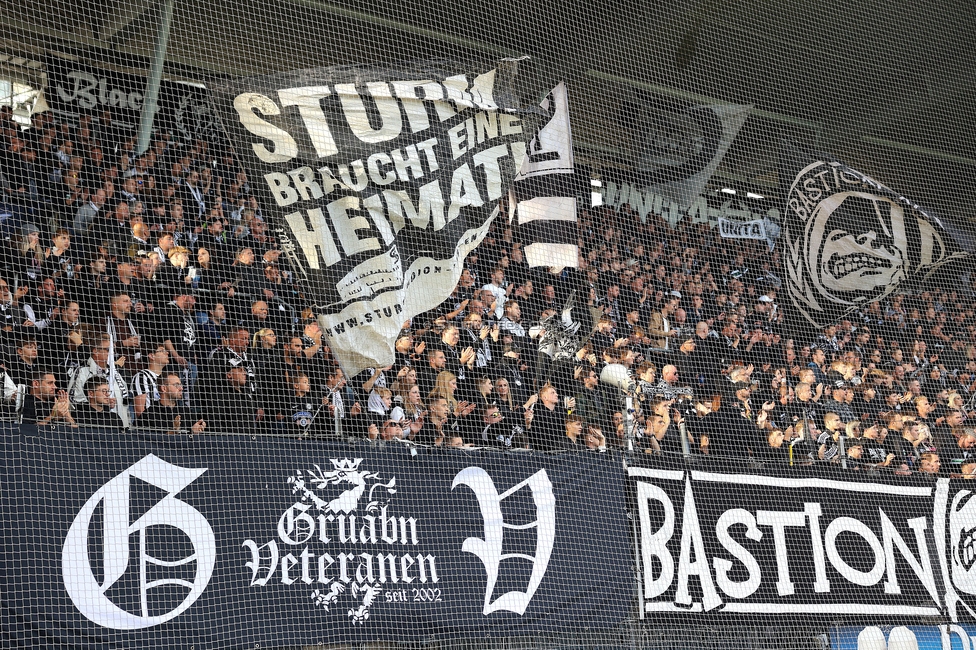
(677, 148)
(850, 240)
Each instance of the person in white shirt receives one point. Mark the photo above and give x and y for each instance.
(101, 366)
(497, 289)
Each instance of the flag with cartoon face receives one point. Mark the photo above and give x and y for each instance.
(849, 240)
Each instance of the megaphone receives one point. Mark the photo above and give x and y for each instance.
(616, 374)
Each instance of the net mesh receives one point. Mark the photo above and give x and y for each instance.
(656, 322)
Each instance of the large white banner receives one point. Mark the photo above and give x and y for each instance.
(384, 179)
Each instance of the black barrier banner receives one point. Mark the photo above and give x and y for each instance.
(385, 178)
(75, 88)
(743, 544)
(151, 541)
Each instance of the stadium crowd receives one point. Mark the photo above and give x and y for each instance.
(147, 292)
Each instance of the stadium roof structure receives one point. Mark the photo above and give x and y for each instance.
(888, 86)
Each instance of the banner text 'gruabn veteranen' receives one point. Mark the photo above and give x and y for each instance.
(232, 542)
(384, 179)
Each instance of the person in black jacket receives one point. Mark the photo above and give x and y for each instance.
(45, 404)
(246, 275)
(546, 421)
(494, 431)
(97, 412)
(170, 414)
(232, 405)
(440, 428)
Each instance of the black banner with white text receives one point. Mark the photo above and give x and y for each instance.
(135, 540)
(75, 88)
(302, 542)
(725, 543)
